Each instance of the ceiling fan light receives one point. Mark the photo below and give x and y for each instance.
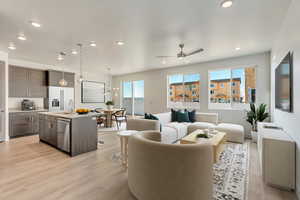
(227, 3)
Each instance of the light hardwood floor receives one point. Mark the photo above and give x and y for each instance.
(30, 170)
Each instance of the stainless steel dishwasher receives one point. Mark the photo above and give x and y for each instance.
(63, 134)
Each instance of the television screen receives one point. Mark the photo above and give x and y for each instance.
(284, 84)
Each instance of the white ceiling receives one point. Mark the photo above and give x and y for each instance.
(148, 27)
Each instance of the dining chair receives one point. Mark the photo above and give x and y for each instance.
(120, 116)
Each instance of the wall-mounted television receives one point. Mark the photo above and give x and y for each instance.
(284, 84)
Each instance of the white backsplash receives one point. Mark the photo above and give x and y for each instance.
(15, 103)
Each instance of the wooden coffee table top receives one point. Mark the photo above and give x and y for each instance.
(192, 138)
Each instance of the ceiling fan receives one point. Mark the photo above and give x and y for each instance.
(182, 54)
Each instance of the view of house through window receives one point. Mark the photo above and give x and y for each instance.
(184, 90)
(230, 86)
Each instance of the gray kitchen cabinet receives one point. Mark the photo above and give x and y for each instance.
(25, 82)
(55, 76)
(22, 124)
(48, 129)
(18, 82)
(37, 83)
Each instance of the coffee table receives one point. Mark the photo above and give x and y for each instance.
(124, 136)
(218, 140)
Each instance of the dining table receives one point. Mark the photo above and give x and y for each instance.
(109, 113)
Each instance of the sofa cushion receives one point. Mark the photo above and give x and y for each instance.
(168, 135)
(164, 118)
(200, 125)
(183, 116)
(234, 132)
(181, 128)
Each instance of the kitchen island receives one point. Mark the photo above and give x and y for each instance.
(71, 133)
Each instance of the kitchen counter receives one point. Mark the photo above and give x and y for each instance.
(15, 110)
(71, 133)
(70, 115)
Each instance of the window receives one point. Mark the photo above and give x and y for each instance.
(233, 87)
(212, 85)
(184, 90)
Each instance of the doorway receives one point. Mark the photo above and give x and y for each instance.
(133, 97)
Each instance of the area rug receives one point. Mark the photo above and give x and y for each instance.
(231, 173)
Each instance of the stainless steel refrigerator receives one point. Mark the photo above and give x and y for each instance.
(61, 99)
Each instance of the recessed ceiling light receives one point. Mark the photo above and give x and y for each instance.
(74, 52)
(12, 46)
(120, 43)
(226, 3)
(237, 48)
(60, 57)
(21, 36)
(35, 24)
(93, 44)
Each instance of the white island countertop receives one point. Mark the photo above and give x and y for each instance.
(70, 115)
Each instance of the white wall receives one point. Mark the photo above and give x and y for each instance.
(91, 76)
(289, 40)
(4, 57)
(156, 84)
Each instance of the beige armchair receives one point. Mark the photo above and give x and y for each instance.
(159, 171)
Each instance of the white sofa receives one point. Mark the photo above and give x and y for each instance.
(174, 131)
(156, 171)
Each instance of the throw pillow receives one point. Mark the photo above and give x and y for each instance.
(192, 115)
(183, 116)
(173, 115)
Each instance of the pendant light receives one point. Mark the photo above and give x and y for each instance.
(80, 62)
(62, 82)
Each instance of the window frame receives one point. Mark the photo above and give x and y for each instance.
(183, 104)
(232, 105)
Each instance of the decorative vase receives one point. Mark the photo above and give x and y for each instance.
(110, 107)
(254, 136)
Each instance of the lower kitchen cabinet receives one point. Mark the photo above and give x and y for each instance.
(48, 129)
(23, 123)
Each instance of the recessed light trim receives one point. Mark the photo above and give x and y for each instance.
(22, 37)
(12, 46)
(35, 24)
(60, 57)
(120, 43)
(74, 52)
(238, 48)
(227, 3)
(93, 44)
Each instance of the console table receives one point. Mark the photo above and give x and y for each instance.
(276, 150)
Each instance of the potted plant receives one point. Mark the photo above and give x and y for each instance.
(110, 105)
(256, 115)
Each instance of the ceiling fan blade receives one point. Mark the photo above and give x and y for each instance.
(165, 56)
(194, 52)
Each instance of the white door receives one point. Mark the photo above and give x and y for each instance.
(2, 100)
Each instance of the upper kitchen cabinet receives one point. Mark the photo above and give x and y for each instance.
(25, 82)
(55, 76)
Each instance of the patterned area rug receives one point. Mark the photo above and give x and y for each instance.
(231, 173)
